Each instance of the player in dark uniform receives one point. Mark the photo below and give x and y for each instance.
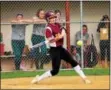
(55, 35)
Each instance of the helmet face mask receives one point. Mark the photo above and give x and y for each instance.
(52, 17)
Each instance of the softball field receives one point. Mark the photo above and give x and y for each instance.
(57, 82)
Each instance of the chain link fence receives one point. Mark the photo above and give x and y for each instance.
(92, 53)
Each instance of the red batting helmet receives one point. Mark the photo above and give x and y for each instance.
(49, 15)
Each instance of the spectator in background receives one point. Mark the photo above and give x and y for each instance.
(18, 38)
(58, 19)
(85, 35)
(38, 35)
(85, 38)
(104, 30)
(75, 55)
(58, 14)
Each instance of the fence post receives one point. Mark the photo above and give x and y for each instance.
(81, 24)
(67, 12)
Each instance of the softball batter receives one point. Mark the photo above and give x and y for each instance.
(55, 35)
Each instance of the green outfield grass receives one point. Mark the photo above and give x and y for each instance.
(18, 74)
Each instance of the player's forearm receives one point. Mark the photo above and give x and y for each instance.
(57, 38)
(60, 36)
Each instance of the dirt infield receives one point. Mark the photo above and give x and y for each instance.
(57, 82)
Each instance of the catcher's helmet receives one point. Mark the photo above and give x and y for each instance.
(49, 15)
